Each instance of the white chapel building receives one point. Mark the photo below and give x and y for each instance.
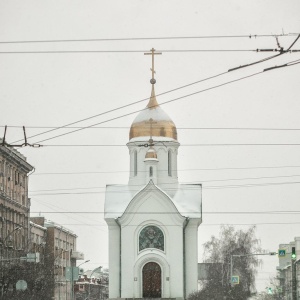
(153, 220)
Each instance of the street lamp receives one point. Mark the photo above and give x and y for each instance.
(83, 263)
(10, 235)
(90, 281)
(72, 270)
(242, 255)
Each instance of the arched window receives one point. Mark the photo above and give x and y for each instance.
(151, 237)
(135, 163)
(169, 163)
(151, 172)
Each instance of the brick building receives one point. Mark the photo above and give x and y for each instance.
(14, 202)
(59, 254)
(14, 211)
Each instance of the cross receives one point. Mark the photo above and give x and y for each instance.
(151, 122)
(152, 69)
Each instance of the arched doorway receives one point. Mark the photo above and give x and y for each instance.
(151, 280)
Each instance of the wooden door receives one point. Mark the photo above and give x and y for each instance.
(151, 280)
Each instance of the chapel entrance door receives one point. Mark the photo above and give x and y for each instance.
(151, 280)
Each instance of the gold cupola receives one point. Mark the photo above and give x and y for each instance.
(151, 153)
(153, 121)
(160, 126)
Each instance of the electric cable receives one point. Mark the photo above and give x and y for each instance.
(126, 51)
(147, 98)
(271, 212)
(154, 126)
(181, 170)
(202, 224)
(172, 189)
(163, 103)
(149, 38)
(182, 145)
(123, 106)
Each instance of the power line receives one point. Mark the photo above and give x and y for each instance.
(172, 189)
(282, 51)
(123, 106)
(143, 51)
(144, 100)
(149, 38)
(200, 169)
(153, 126)
(169, 101)
(129, 51)
(203, 224)
(157, 95)
(202, 181)
(290, 212)
(182, 145)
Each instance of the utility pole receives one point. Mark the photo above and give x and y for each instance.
(294, 275)
(242, 255)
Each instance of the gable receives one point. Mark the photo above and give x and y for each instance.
(151, 203)
(186, 199)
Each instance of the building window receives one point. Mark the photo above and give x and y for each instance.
(135, 163)
(151, 171)
(151, 237)
(169, 163)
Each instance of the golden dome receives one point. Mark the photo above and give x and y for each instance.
(153, 121)
(151, 153)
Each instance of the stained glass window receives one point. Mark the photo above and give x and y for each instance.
(151, 237)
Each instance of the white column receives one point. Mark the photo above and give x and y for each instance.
(191, 256)
(114, 258)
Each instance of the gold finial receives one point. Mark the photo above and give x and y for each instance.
(152, 102)
(152, 81)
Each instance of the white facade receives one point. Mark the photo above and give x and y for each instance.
(289, 270)
(153, 221)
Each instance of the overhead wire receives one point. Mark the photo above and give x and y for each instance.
(198, 169)
(217, 75)
(153, 126)
(182, 145)
(54, 207)
(167, 183)
(163, 103)
(123, 106)
(148, 38)
(267, 58)
(202, 224)
(126, 51)
(271, 212)
(204, 187)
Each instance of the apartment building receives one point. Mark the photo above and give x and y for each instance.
(289, 269)
(60, 254)
(14, 203)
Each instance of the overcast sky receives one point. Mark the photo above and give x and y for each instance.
(41, 90)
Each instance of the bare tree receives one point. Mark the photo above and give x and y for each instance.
(218, 252)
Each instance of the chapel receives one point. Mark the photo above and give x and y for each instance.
(153, 220)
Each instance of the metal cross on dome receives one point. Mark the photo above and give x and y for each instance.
(151, 122)
(152, 80)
